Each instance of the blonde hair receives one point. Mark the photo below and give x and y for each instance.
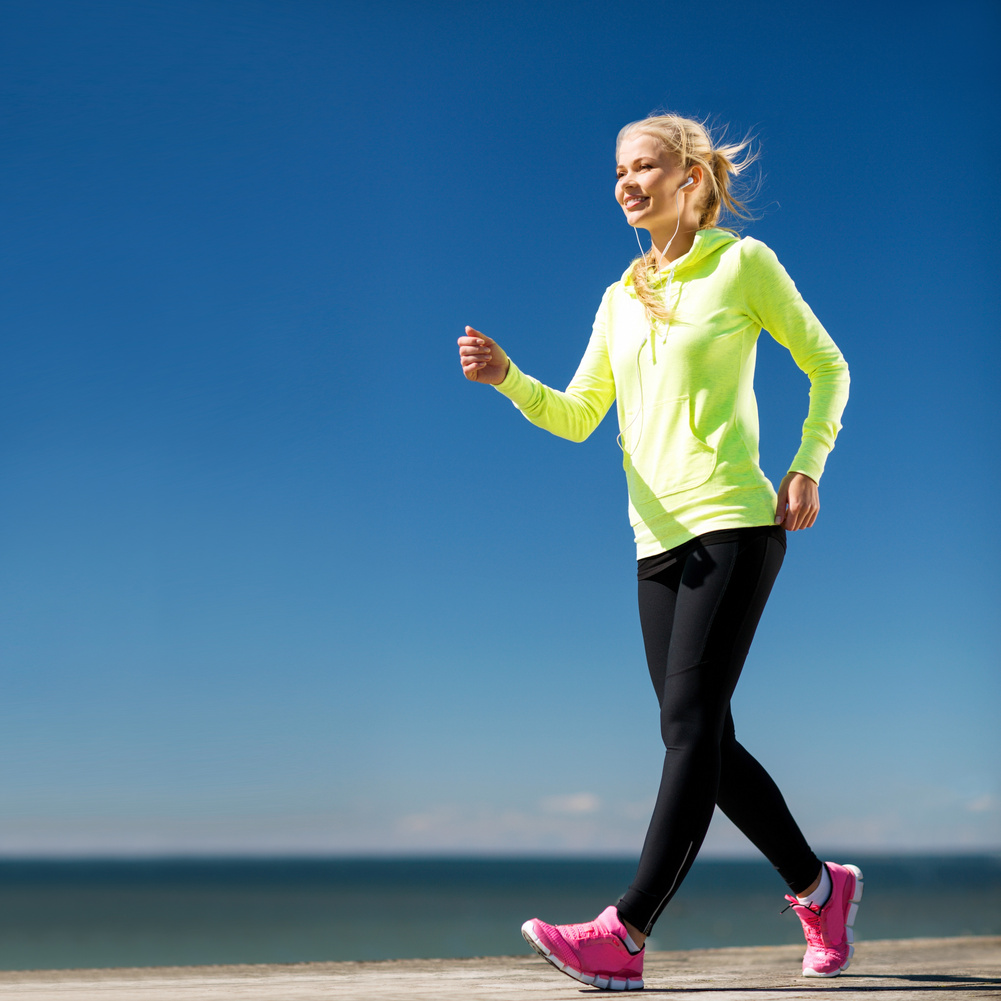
(690, 142)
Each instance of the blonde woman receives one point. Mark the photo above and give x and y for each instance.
(673, 346)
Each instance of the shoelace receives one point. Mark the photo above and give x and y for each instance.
(586, 929)
(811, 924)
(796, 903)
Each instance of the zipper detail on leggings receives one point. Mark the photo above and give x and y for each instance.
(667, 896)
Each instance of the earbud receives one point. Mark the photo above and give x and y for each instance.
(690, 180)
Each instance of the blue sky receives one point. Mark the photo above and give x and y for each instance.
(274, 577)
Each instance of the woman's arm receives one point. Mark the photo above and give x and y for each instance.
(572, 414)
(772, 300)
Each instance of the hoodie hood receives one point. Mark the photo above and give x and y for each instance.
(708, 242)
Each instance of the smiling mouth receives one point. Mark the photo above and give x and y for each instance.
(635, 201)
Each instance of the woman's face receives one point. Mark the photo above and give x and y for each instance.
(648, 180)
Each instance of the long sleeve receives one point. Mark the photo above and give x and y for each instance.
(773, 301)
(579, 409)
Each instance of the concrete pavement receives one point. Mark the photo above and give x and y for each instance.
(924, 969)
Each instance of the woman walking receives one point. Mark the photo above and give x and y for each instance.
(673, 346)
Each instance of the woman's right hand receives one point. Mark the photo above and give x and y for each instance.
(482, 359)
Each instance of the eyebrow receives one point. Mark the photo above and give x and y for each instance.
(637, 159)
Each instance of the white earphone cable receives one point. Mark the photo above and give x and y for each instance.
(677, 203)
(620, 437)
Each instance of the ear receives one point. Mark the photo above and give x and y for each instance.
(697, 175)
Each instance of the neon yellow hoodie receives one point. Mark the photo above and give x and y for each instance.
(688, 418)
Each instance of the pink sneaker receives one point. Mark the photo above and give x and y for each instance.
(594, 953)
(828, 929)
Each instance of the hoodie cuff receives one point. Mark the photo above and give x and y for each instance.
(810, 460)
(517, 387)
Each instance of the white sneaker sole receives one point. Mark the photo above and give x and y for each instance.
(602, 983)
(849, 926)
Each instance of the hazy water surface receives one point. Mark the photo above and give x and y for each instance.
(179, 912)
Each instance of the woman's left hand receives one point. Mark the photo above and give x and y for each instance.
(799, 502)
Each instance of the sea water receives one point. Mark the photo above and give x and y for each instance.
(66, 914)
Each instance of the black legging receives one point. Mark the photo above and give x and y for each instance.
(698, 617)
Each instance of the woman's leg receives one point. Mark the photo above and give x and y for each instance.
(751, 799)
(698, 619)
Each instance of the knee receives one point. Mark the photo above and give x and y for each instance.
(684, 730)
(694, 723)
